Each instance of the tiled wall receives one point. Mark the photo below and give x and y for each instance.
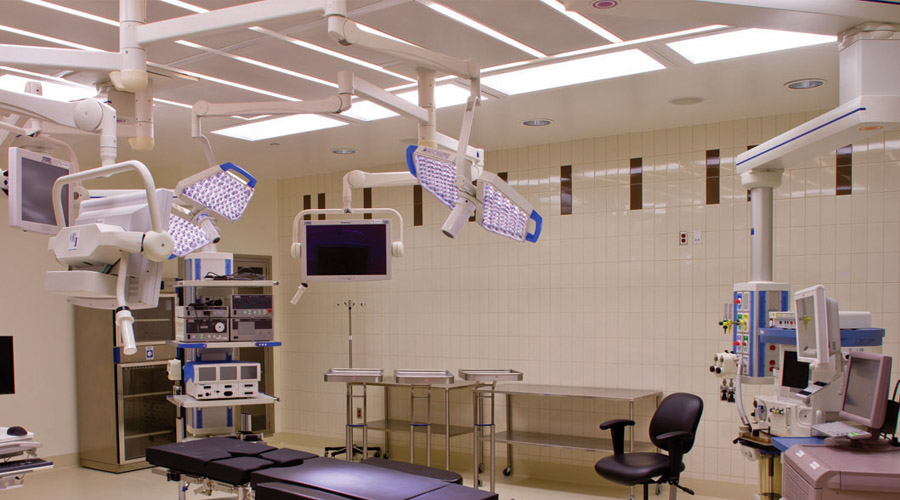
(608, 297)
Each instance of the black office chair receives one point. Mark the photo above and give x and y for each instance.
(672, 428)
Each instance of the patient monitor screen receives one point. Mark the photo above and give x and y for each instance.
(37, 191)
(347, 251)
(794, 374)
(860, 392)
(806, 327)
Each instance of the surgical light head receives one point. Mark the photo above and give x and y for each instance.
(500, 208)
(436, 172)
(225, 190)
(188, 236)
(504, 211)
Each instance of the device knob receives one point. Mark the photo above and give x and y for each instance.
(220, 327)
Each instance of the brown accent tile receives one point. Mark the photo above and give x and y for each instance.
(637, 175)
(844, 171)
(367, 201)
(504, 176)
(565, 190)
(417, 205)
(713, 162)
(307, 204)
(321, 204)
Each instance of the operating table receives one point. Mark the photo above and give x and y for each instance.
(255, 470)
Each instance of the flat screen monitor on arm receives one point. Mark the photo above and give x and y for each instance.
(866, 389)
(31, 178)
(346, 250)
(818, 327)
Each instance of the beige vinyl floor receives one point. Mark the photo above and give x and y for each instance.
(72, 482)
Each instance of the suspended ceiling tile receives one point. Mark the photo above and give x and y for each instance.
(59, 25)
(422, 26)
(530, 22)
(261, 78)
(295, 58)
(208, 91)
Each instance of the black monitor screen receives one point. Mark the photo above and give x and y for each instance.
(37, 191)
(7, 369)
(794, 373)
(346, 250)
(862, 377)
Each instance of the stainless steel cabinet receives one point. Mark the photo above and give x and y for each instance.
(122, 407)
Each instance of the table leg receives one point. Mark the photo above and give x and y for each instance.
(509, 453)
(493, 438)
(349, 431)
(447, 429)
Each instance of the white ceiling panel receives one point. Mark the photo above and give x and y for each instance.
(264, 79)
(420, 25)
(306, 61)
(59, 25)
(530, 22)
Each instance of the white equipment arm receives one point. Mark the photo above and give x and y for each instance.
(848, 123)
(359, 179)
(331, 105)
(89, 115)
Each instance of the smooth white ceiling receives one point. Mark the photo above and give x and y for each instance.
(745, 87)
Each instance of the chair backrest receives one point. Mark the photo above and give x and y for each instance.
(679, 411)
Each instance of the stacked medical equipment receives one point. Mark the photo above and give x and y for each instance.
(199, 322)
(251, 317)
(15, 441)
(221, 380)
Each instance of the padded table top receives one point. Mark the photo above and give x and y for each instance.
(350, 479)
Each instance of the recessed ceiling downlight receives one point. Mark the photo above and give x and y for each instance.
(344, 151)
(805, 83)
(537, 122)
(686, 101)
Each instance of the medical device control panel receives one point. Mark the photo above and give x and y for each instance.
(201, 323)
(753, 302)
(225, 380)
(251, 317)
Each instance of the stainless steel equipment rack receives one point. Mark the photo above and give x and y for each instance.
(484, 379)
(421, 380)
(353, 377)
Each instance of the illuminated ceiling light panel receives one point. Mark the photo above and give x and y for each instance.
(583, 21)
(608, 47)
(58, 41)
(187, 235)
(588, 69)
(278, 127)
(456, 16)
(236, 85)
(54, 91)
(444, 95)
(259, 64)
(368, 111)
(329, 52)
(744, 43)
(71, 11)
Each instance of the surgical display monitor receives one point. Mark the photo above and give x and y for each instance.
(794, 374)
(818, 327)
(866, 389)
(346, 250)
(31, 178)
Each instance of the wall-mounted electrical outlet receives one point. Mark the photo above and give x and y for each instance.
(682, 238)
(698, 237)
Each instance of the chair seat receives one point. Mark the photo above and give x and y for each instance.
(633, 468)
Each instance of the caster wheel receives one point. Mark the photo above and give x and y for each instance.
(507, 471)
(479, 483)
(385, 455)
(480, 468)
(377, 454)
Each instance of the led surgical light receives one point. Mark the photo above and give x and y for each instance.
(436, 172)
(188, 236)
(504, 211)
(500, 209)
(220, 189)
